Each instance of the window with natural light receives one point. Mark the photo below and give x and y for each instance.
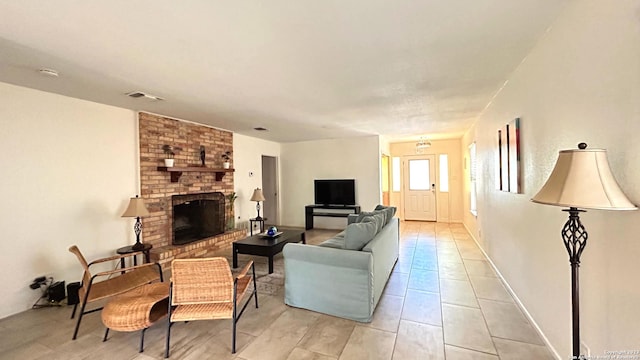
(419, 175)
(472, 175)
(395, 170)
(444, 172)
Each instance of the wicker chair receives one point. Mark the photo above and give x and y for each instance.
(115, 281)
(203, 289)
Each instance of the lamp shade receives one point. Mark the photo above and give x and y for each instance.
(136, 208)
(582, 179)
(257, 195)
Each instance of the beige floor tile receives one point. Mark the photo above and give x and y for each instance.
(471, 253)
(505, 320)
(456, 353)
(465, 327)
(424, 280)
(422, 307)
(479, 268)
(419, 341)
(403, 265)
(514, 350)
(425, 260)
(452, 270)
(255, 321)
(387, 314)
(397, 284)
(457, 292)
(369, 344)
(452, 257)
(281, 337)
(327, 336)
(490, 288)
(303, 354)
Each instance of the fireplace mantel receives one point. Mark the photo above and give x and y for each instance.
(176, 172)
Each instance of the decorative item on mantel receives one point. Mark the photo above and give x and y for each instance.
(203, 154)
(231, 223)
(168, 151)
(226, 160)
(136, 209)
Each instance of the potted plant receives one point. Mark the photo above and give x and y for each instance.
(226, 160)
(168, 155)
(231, 223)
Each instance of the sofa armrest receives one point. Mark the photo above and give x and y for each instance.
(327, 256)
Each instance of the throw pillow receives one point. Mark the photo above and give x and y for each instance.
(389, 210)
(357, 235)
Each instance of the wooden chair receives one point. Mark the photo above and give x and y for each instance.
(203, 289)
(115, 282)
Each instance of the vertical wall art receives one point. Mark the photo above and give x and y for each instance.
(508, 177)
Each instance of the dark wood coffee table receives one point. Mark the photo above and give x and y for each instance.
(269, 247)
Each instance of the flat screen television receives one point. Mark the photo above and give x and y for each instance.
(335, 192)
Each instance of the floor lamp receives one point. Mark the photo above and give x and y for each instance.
(580, 180)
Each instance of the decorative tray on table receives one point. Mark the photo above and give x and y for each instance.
(267, 236)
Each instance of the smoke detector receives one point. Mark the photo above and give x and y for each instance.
(140, 94)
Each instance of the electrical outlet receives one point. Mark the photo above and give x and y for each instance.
(584, 349)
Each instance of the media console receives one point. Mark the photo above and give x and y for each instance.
(309, 212)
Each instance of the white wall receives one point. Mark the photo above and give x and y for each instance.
(247, 158)
(351, 158)
(68, 170)
(581, 83)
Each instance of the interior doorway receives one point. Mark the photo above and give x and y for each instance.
(420, 188)
(270, 189)
(385, 173)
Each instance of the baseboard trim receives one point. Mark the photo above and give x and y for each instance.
(517, 299)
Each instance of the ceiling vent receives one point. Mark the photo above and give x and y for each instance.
(140, 94)
(260, 128)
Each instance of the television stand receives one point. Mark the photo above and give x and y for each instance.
(310, 213)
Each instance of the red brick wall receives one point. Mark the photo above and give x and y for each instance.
(156, 186)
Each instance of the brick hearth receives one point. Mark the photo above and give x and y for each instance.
(156, 186)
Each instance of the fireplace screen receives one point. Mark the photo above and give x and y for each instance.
(197, 216)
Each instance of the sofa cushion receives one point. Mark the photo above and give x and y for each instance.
(381, 213)
(357, 235)
(389, 211)
(333, 243)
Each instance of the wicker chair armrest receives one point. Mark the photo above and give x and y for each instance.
(125, 269)
(115, 257)
(245, 270)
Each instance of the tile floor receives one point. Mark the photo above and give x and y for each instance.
(442, 301)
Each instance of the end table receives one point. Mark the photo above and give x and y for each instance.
(129, 249)
(260, 223)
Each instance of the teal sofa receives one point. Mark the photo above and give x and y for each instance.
(344, 276)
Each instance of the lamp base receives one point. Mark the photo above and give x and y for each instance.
(138, 246)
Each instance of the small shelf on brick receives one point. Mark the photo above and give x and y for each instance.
(176, 172)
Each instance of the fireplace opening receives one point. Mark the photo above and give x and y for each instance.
(197, 216)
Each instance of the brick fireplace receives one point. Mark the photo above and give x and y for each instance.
(156, 187)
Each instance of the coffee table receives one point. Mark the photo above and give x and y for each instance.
(269, 247)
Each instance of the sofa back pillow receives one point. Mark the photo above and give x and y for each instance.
(357, 235)
(389, 211)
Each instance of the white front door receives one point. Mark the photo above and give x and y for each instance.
(420, 188)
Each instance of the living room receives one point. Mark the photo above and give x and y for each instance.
(580, 82)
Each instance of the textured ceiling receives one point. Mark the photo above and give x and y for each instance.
(302, 69)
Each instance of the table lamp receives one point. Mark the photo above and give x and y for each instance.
(257, 197)
(136, 209)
